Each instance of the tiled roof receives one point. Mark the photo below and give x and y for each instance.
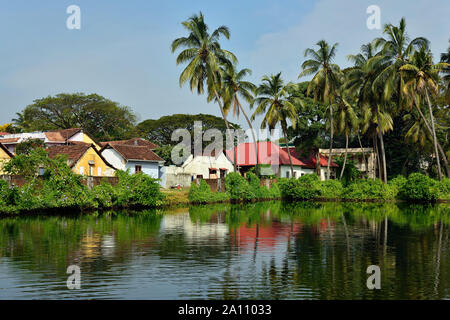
(9, 140)
(3, 133)
(132, 142)
(141, 153)
(62, 135)
(73, 151)
(268, 153)
(310, 161)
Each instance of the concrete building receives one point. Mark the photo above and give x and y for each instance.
(356, 155)
(135, 158)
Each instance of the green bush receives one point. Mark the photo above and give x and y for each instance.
(304, 188)
(331, 189)
(238, 187)
(137, 189)
(202, 194)
(419, 187)
(444, 189)
(369, 190)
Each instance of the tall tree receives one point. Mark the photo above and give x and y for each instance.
(422, 79)
(234, 88)
(325, 82)
(204, 56)
(273, 100)
(359, 81)
(101, 117)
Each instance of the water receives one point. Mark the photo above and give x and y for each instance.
(259, 251)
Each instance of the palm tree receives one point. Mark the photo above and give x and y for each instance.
(273, 100)
(359, 82)
(346, 123)
(325, 82)
(421, 79)
(233, 88)
(204, 56)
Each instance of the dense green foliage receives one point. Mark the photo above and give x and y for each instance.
(238, 188)
(417, 187)
(59, 187)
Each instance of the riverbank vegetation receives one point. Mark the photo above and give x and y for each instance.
(59, 187)
(417, 188)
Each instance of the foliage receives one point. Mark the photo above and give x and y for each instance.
(99, 116)
(203, 194)
(303, 188)
(331, 189)
(351, 173)
(160, 130)
(28, 145)
(238, 187)
(419, 187)
(366, 189)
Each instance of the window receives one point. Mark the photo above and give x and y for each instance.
(137, 169)
(82, 171)
(91, 170)
(287, 174)
(41, 171)
(99, 171)
(295, 174)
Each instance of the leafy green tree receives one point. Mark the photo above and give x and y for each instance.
(422, 79)
(325, 82)
(273, 100)
(27, 146)
(204, 56)
(160, 130)
(101, 117)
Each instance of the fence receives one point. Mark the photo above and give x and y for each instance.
(90, 182)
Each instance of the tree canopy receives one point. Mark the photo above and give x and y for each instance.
(101, 117)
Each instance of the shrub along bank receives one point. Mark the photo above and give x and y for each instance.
(417, 187)
(59, 187)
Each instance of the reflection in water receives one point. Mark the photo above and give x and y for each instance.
(261, 251)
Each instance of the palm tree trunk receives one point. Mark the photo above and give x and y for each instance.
(283, 126)
(345, 157)
(366, 163)
(228, 128)
(331, 142)
(377, 154)
(434, 136)
(380, 135)
(253, 133)
(444, 156)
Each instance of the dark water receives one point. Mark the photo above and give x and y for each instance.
(258, 251)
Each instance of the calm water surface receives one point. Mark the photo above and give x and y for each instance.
(259, 251)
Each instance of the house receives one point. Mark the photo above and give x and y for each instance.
(315, 162)
(356, 155)
(136, 157)
(269, 154)
(83, 159)
(5, 156)
(208, 166)
(50, 138)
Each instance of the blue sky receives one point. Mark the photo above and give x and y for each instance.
(123, 48)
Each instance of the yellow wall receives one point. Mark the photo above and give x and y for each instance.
(86, 139)
(91, 155)
(4, 157)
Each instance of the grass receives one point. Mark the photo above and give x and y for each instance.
(175, 196)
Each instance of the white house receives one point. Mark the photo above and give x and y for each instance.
(136, 158)
(208, 166)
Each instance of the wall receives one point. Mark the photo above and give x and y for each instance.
(4, 158)
(200, 165)
(299, 171)
(91, 155)
(172, 176)
(83, 137)
(149, 168)
(114, 158)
